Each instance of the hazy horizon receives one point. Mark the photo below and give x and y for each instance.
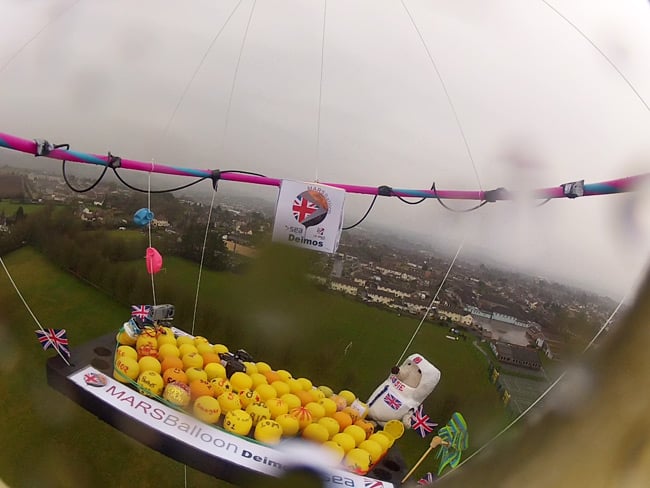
(538, 106)
(441, 248)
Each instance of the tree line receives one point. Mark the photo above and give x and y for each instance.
(112, 261)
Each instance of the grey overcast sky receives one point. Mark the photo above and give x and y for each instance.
(538, 104)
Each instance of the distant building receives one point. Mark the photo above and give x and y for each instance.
(360, 281)
(87, 215)
(553, 346)
(458, 316)
(415, 308)
(344, 286)
(516, 355)
(508, 319)
(534, 333)
(478, 312)
(550, 344)
(380, 297)
(393, 291)
(160, 223)
(499, 317)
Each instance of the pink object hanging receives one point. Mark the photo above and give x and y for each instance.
(154, 260)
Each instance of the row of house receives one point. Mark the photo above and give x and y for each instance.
(505, 353)
(396, 274)
(457, 316)
(394, 299)
(499, 317)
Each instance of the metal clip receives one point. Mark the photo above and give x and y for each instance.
(215, 176)
(43, 147)
(574, 189)
(113, 161)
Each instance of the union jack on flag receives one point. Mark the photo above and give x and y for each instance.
(303, 208)
(392, 401)
(422, 422)
(54, 338)
(95, 379)
(140, 311)
(373, 484)
(427, 479)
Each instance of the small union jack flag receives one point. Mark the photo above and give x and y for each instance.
(373, 484)
(427, 479)
(392, 401)
(140, 311)
(421, 422)
(53, 338)
(95, 379)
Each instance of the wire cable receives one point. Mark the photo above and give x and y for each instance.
(389, 192)
(402, 199)
(235, 74)
(150, 191)
(153, 284)
(600, 51)
(446, 91)
(205, 240)
(374, 199)
(435, 297)
(320, 88)
(20, 295)
(35, 36)
(607, 322)
(465, 210)
(182, 187)
(242, 172)
(197, 69)
(81, 190)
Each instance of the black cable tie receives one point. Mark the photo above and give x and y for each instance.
(384, 191)
(43, 147)
(113, 161)
(494, 195)
(215, 176)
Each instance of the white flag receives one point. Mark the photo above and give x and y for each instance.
(309, 215)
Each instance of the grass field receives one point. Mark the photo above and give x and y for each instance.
(269, 311)
(10, 208)
(47, 440)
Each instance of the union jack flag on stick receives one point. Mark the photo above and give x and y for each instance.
(452, 440)
(421, 422)
(427, 479)
(55, 339)
(140, 311)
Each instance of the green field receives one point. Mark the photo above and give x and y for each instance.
(269, 311)
(10, 208)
